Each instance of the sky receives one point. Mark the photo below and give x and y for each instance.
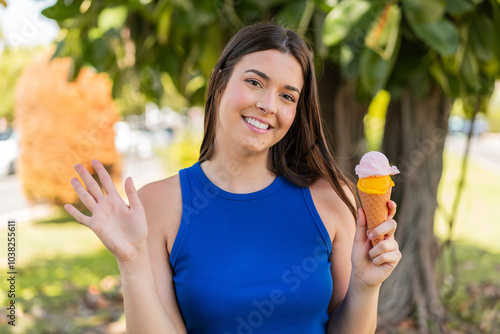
(23, 25)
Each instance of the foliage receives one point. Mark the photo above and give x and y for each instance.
(183, 152)
(67, 280)
(395, 44)
(136, 41)
(378, 44)
(12, 63)
(62, 123)
(374, 120)
(68, 295)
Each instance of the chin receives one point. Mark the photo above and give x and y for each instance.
(256, 149)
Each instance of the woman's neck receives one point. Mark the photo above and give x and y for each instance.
(238, 174)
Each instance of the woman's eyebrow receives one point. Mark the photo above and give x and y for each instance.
(265, 77)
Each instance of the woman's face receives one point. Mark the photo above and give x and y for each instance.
(259, 102)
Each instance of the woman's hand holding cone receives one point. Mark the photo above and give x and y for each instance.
(372, 265)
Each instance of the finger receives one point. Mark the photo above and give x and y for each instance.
(104, 176)
(79, 217)
(360, 235)
(390, 258)
(384, 246)
(392, 209)
(386, 229)
(82, 193)
(133, 198)
(90, 182)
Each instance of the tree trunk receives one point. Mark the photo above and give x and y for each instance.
(342, 117)
(414, 137)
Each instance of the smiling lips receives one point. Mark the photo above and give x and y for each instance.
(256, 123)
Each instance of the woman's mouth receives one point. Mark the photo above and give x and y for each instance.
(256, 123)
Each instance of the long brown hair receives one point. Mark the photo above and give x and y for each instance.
(303, 154)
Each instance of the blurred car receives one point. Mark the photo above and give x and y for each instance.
(9, 152)
(457, 125)
(133, 141)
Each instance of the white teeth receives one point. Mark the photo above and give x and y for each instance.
(256, 123)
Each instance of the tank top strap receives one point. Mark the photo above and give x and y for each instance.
(186, 213)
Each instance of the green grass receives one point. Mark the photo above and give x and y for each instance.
(62, 268)
(477, 222)
(470, 268)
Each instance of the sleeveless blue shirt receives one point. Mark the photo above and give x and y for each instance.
(250, 263)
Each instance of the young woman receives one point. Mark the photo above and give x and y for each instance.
(259, 236)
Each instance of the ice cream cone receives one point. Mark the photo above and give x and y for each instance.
(376, 210)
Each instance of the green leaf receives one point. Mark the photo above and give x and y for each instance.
(343, 17)
(441, 36)
(447, 82)
(325, 5)
(150, 83)
(424, 11)
(119, 82)
(349, 59)
(496, 32)
(75, 67)
(60, 11)
(164, 23)
(291, 14)
(459, 7)
(112, 18)
(482, 37)
(383, 34)
(100, 55)
(375, 70)
(470, 70)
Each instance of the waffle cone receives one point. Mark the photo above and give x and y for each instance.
(376, 210)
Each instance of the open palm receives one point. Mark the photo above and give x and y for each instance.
(122, 228)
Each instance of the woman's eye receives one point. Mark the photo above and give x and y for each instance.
(289, 97)
(254, 82)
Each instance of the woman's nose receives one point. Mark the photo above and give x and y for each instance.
(267, 103)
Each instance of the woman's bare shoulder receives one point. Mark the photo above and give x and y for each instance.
(165, 191)
(333, 211)
(162, 201)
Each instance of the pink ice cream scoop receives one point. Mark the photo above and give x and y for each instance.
(375, 164)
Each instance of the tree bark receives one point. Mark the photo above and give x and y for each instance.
(342, 118)
(414, 138)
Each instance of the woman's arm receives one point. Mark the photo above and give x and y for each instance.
(357, 312)
(123, 229)
(144, 312)
(357, 268)
(162, 201)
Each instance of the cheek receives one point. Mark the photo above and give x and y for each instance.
(235, 99)
(287, 118)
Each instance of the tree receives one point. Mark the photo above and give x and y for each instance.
(12, 62)
(425, 53)
(62, 123)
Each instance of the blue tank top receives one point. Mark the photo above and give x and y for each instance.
(250, 263)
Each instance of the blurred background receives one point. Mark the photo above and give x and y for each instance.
(124, 82)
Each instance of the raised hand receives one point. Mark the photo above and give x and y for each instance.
(371, 266)
(122, 228)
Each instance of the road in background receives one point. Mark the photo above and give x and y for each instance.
(484, 149)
